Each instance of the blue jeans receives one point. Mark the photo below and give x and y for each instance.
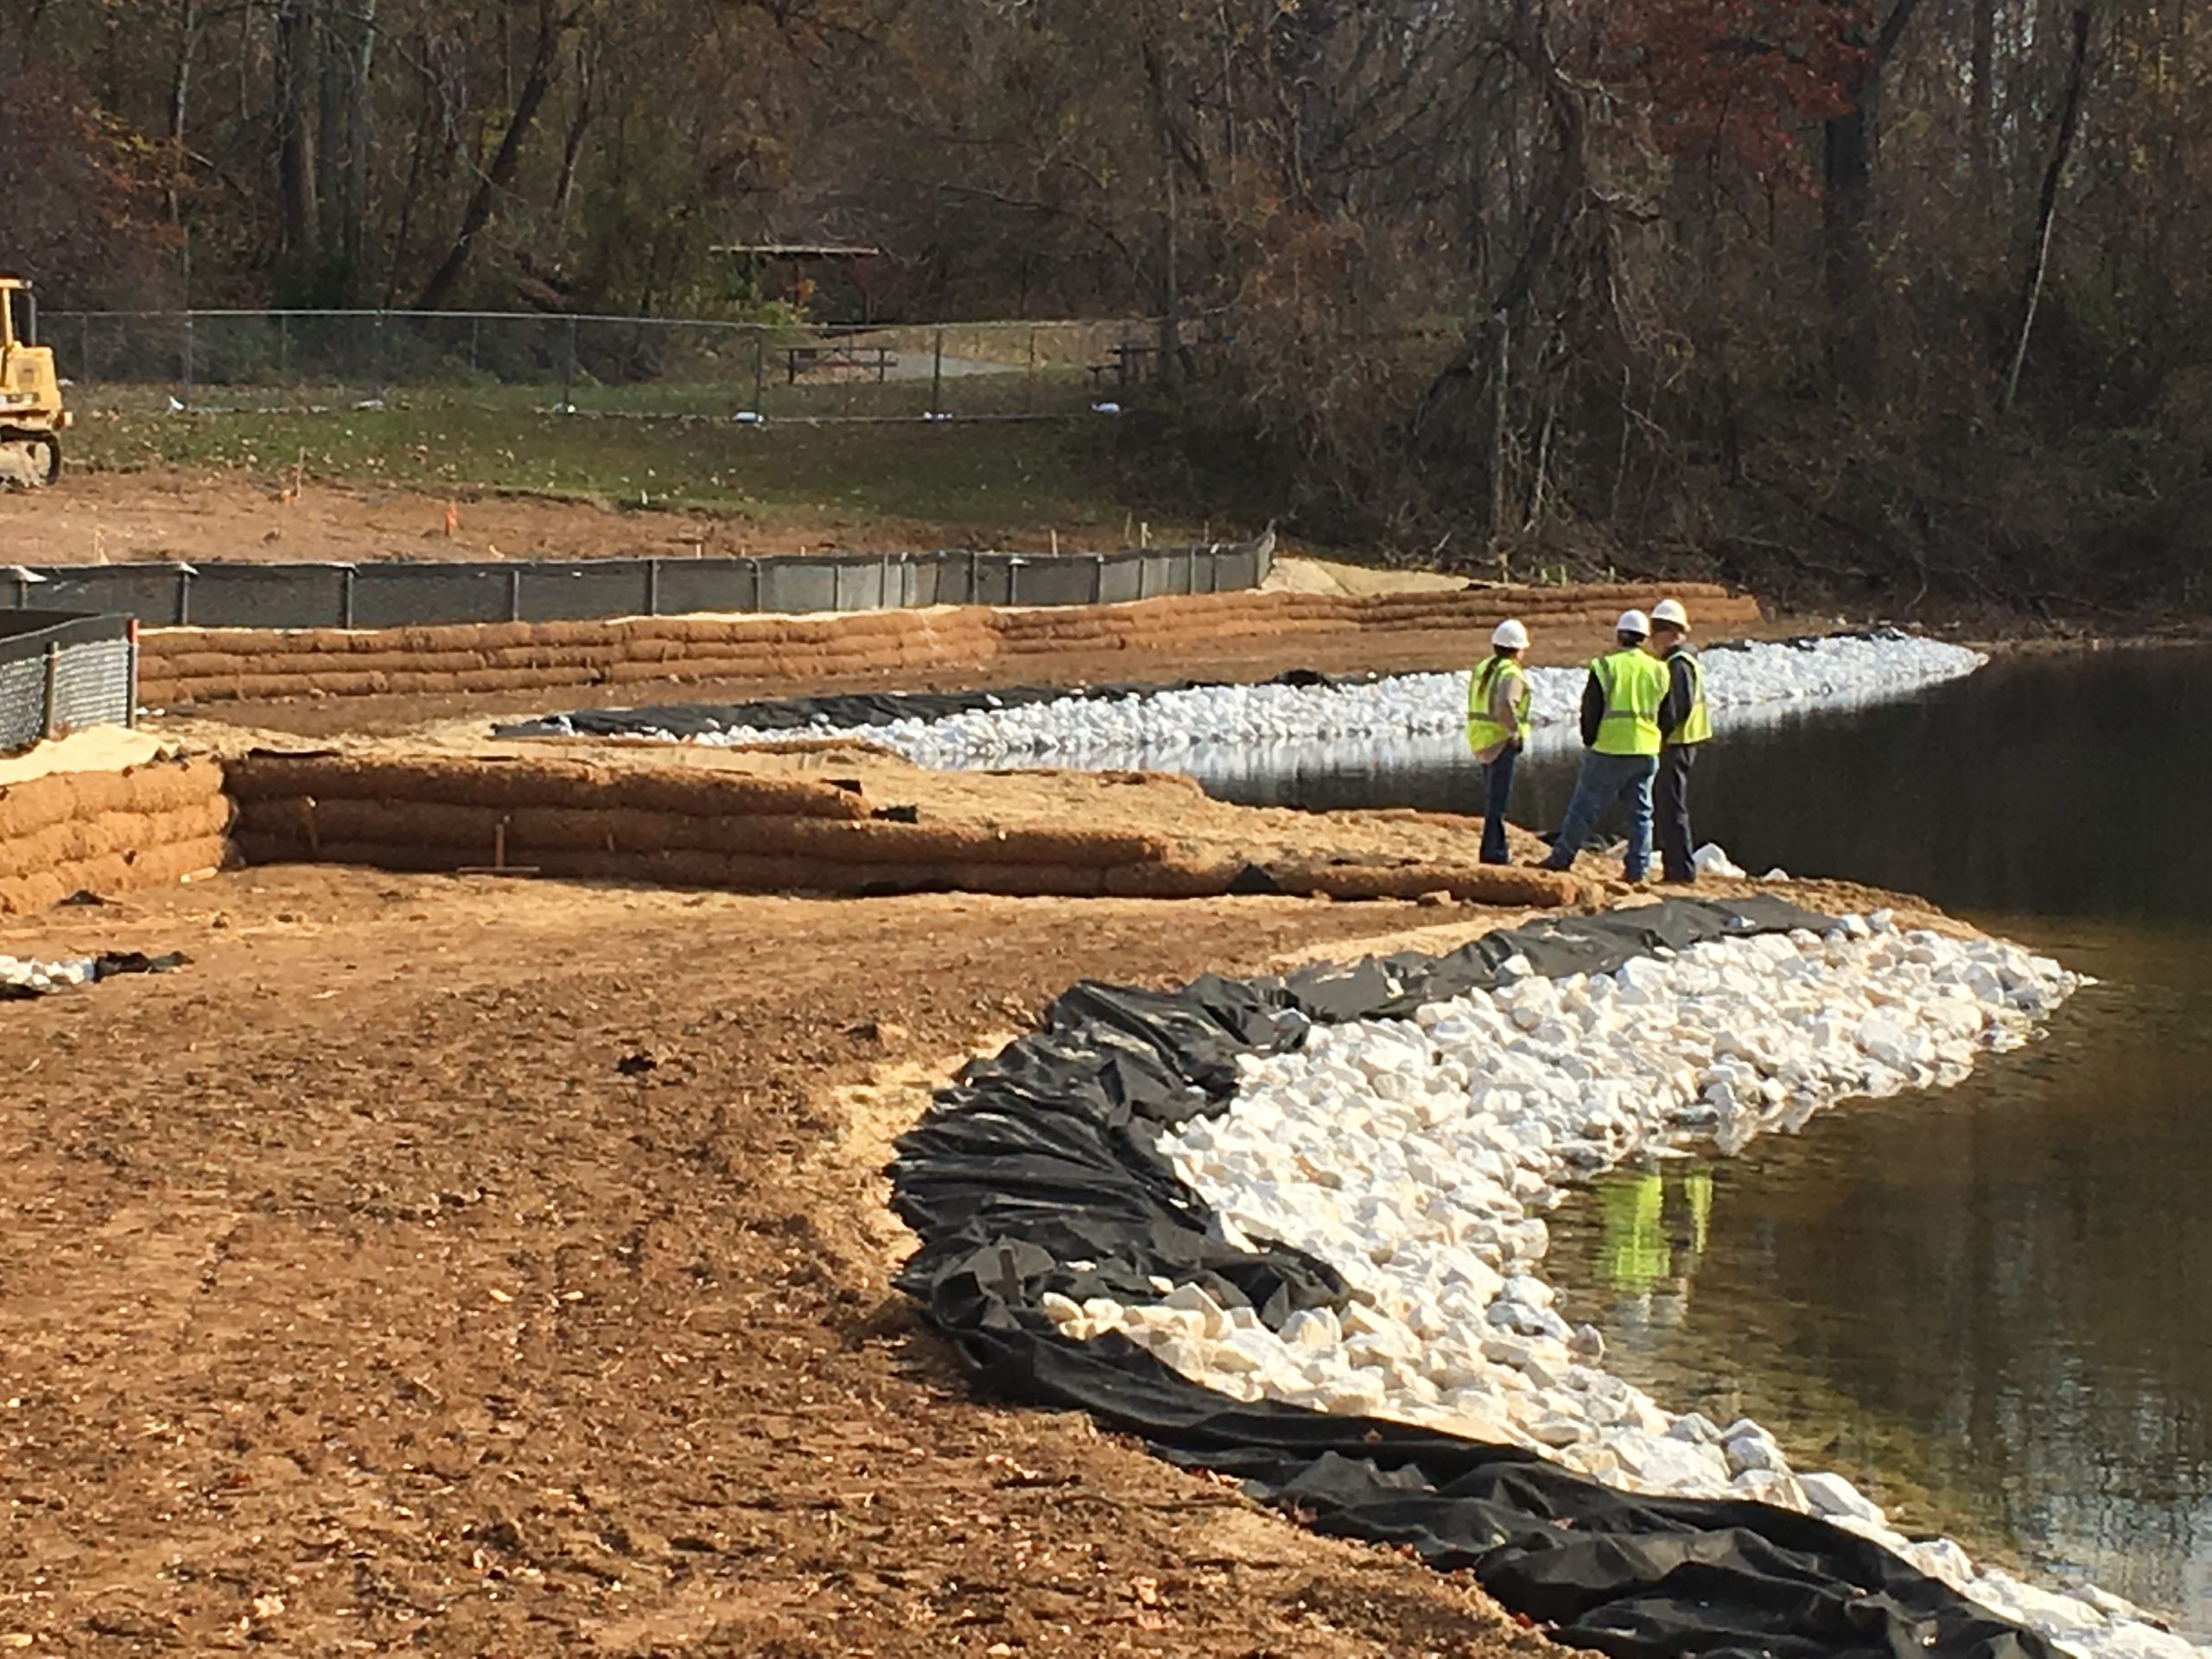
(1497, 778)
(1606, 779)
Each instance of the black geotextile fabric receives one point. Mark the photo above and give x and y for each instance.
(802, 715)
(1035, 1172)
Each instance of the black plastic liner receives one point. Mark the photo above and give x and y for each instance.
(802, 715)
(862, 708)
(1035, 1172)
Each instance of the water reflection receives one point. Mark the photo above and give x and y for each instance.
(1652, 1228)
(1985, 1305)
(1982, 1305)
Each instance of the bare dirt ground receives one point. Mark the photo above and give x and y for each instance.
(501, 1268)
(121, 517)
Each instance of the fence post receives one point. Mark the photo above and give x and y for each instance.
(130, 692)
(85, 346)
(936, 379)
(760, 369)
(1029, 387)
(475, 342)
(376, 350)
(345, 597)
(185, 363)
(514, 594)
(652, 587)
(52, 691)
(569, 373)
(283, 344)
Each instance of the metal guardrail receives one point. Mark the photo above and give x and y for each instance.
(392, 596)
(61, 672)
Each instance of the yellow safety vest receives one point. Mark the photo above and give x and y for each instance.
(1482, 730)
(1697, 725)
(1634, 684)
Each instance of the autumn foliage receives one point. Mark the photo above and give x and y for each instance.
(1737, 81)
(84, 193)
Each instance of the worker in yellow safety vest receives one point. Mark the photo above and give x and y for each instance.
(1621, 739)
(1683, 725)
(1497, 724)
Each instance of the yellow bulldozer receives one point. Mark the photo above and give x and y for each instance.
(30, 392)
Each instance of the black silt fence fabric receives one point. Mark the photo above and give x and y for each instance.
(799, 715)
(1035, 1172)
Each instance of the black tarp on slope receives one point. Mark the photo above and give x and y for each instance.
(1035, 1172)
(838, 709)
(801, 715)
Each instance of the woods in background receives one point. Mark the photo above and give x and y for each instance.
(1894, 295)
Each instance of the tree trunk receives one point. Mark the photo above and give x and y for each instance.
(293, 64)
(483, 202)
(411, 190)
(1169, 349)
(1500, 383)
(572, 144)
(1846, 245)
(1982, 92)
(360, 137)
(2069, 125)
(1849, 142)
(187, 42)
(330, 149)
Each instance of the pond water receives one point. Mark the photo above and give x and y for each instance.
(1989, 1306)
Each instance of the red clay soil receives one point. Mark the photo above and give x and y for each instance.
(501, 1269)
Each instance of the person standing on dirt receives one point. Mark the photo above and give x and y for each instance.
(1684, 724)
(1497, 724)
(1620, 737)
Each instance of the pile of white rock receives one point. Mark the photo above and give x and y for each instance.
(20, 973)
(1105, 730)
(1418, 1156)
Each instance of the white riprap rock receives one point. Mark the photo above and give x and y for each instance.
(1418, 1156)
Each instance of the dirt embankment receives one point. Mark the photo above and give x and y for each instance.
(761, 654)
(491, 1267)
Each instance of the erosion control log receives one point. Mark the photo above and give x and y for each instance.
(109, 832)
(185, 665)
(747, 832)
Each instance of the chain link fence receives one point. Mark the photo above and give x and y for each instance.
(273, 360)
(60, 672)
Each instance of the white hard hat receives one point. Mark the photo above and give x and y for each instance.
(1510, 635)
(1671, 610)
(1633, 622)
